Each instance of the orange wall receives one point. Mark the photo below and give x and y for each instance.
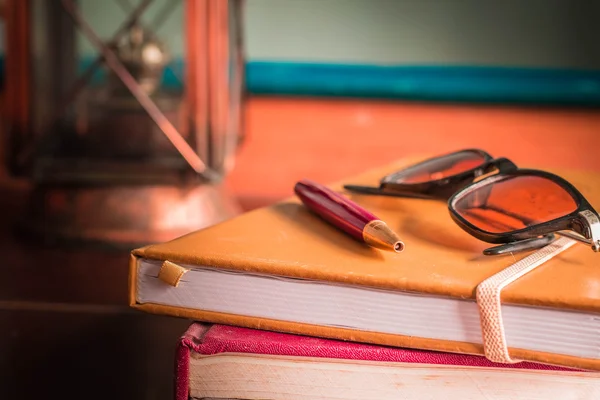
(326, 139)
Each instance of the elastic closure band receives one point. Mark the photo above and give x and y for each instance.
(489, 301)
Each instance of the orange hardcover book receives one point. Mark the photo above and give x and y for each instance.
(282, 268)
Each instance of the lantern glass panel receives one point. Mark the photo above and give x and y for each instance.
(135, 90)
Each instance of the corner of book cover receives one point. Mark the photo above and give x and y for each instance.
(132, 284)
(134, 257)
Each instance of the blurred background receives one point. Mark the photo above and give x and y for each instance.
(126, 122)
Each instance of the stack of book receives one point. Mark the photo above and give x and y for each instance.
(284, 306)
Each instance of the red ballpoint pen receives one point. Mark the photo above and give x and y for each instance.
(348, 216)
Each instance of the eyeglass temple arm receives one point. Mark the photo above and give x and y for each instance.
(521, 245)
(533, 243)
(575, 236)
(378, 191)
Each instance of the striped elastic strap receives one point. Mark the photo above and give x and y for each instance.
(488, 298)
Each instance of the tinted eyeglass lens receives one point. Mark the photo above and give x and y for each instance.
(513, 203)
(439, 168)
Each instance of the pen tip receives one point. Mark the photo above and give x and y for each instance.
(398, 247)
(377, 234)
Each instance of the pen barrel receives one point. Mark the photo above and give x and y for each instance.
(334, 208)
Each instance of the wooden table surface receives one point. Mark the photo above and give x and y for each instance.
(67, 330)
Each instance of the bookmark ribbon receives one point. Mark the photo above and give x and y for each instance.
(171, 273)
(489, 302)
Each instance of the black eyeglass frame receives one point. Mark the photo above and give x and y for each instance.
(585, 221)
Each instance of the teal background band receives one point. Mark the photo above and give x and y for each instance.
(427, 83)
(471, 84)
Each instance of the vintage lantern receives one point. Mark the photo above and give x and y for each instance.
(130, 144)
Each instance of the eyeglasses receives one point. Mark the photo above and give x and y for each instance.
(495, 201)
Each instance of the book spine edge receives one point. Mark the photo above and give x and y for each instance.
(190, 341)
(181, 382)
(132, 279)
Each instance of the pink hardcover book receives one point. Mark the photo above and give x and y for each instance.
(225, 362)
